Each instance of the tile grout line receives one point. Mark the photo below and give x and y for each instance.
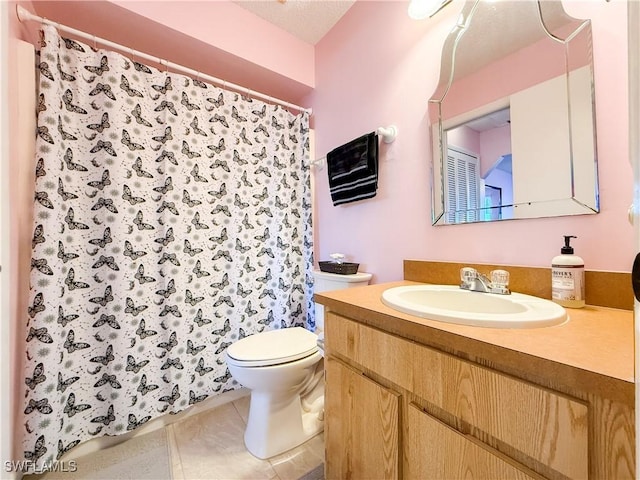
(239, 413)
(177, 473)
(244, 423)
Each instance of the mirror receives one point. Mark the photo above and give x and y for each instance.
(513, 116)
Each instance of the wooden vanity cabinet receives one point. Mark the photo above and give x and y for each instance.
(399, 409)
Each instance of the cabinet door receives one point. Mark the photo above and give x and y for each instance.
(361, 425)
(436, 451)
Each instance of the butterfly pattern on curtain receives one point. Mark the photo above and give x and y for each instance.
(172, 218)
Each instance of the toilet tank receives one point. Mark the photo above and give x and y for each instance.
(324, 282)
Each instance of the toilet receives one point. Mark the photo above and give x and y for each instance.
(284, 371)
(324, 282)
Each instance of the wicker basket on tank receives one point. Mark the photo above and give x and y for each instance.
(344, 268)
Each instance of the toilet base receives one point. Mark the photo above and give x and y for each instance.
(276, 425)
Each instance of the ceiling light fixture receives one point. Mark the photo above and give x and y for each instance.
(420, 9)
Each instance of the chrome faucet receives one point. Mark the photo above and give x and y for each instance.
(471, 279)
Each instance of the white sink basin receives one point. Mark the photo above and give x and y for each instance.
(451, 304)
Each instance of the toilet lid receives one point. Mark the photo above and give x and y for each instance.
(273, 347)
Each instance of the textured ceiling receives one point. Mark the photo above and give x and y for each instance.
(499, 28)
(308, 20)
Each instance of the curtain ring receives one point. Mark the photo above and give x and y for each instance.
(95, 44)
(133, 55)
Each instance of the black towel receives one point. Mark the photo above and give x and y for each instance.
(353, 170)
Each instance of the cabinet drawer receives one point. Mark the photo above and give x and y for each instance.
(546, 426)
(436, 451)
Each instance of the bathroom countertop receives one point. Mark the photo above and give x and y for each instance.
(592, 353)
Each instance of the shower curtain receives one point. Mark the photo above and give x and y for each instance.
(171, 219)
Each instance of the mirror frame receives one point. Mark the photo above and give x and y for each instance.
(572, 205)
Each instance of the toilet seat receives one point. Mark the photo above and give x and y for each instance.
(272, 348)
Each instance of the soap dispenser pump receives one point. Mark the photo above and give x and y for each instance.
(567, 277)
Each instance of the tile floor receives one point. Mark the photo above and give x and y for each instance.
(207, 446)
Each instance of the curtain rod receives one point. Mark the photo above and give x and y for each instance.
(25, 15)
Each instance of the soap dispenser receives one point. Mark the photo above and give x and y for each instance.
(567, 277)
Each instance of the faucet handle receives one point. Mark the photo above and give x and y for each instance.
(500, 278)
(468, 275)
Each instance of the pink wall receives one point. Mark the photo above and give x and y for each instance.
(489, 145)
(378, 67)
(494, 144)
(466, 138)
(235, 30)
(21, 195)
